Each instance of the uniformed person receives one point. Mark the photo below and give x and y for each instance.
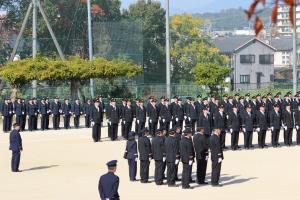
(32, 112)
(37, 112)
(144, 147)
(113, 115)
(205, 121)
(109, 183)
(297, 124)
(216, 157)
(67, 111)
(96, 118)
(288, 125)
(178, 114)
(275, 124)
(43, 110)
(140, 117)
(172, 157)
(131, 155)
(15, 145)
(76, 111)
(127, 118)
(87, 113)
(6, 116)
(234, 125)
(48, 112)
(248, 126)
(20, 112)
(201, 145)
(56, 111)
(159, 156)
(220, 123)
(122, 109)
(165, 115)
(187, 158)
(262, 126)
(152, 113)
(191, 114)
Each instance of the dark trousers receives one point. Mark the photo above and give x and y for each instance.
(298, 136)
(123, 129)
(178, 123)
(165, 125)
(31, 122)
(113, 131)
(35, 122)
(171, 173)
(19, 120)
(275, 137)
(234, 139)
(141, 126)
(87, 121)
(15, 160)
(6, 124)
(44, 122)
(144, 170)
(128, 127)
(215, 172)
(47, 121)
(222, 138)
(67, 121)
(24, 122)
(96, 134)
(186, 175)
(152, 128)
(288, 136)
(56, 121)
(201, 170)
(262, 138)
(132, 169)
(247, 139)
(76, 121)
(158, 173)
(10, 122)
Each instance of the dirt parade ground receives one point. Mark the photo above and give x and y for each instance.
(66, 164)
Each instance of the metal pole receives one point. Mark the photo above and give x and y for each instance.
(168, 73)
(51, 31)
(90, 44)
(34, 42)
(295, 71)
(21, 32)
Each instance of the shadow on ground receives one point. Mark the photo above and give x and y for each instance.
(40, 168)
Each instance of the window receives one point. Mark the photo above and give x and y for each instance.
(266, 59)
(245, 79)
(247, 59)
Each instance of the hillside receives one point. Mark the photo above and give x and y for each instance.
(234, 18)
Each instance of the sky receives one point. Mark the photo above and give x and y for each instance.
(198, 6)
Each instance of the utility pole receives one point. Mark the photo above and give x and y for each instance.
(168, 68)
(295, 68)
(90, 44)
(34, 42)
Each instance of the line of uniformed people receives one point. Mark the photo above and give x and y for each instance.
(33, 109)
(167, 149)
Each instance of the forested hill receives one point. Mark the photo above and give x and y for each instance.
(234, 18)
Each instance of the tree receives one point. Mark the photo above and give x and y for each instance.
(152, 17)
(211, 75)
(73, 69)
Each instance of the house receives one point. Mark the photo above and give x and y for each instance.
(252, 61)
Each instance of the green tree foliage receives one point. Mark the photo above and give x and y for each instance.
(152, 16)
(73, 69)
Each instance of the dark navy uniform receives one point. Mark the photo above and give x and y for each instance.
(275, 124)
(159, 155)
(205, 121)
(216, 158)
(201, 145)
(96, 119)
(248, 125)
(127, 118)
(166, 117)
(234, 126)
(87, 114)
(109, 184)
(6, 116)
(77, 111)
(56, 112)
(113, 119)
(131, 155)
(140, 119)
(152, 112)
(43, 108)
(187, 155)
(178, 115)
(288, 123)
(144, 147)
(297, 125)
(172, 157)
(220, 123)
(191, 114)
(123, 129)
(66, 109)
(20, 112)
(31, 112)
(262, 125)
(15, 145)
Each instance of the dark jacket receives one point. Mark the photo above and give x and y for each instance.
(96, 114)
(108, 186)
(15, 141)
(141, 114)
(131, 149)
(206, 123)
(288, 120)
(248, 121)
(172, 149)
(261, 120)
(165, 113)
(113, 114)
(219, 120)
(158, 148)
(234, 121)
(275, 120)
(215, 148)
(144, 146)
(186, 150)
(152, 113)
(201, 145)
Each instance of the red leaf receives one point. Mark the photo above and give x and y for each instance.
(289, 2)
(96, 9)
(275, 12)
(252, 9)
(258, 26)
(291, 15)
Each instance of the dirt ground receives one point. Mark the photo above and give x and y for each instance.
(67, 165)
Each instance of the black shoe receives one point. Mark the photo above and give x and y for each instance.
(202, 183)
(192, 181)
(145, 182)
(216, 185)
(178, 179)
(17, 171)
(159, 183)
(172, 185)
(225, 147)
(188, 187)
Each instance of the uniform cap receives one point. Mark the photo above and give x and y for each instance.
(237, 94)
(254, 97)
(230, 97)
(145, 130)
(112, 100)
(221, 106)
(276, 105)
(112, 163)
(225, 95)
(247, 95)
(289, 93)
(269, 94)
(187, 131)
(199, 96)
(248, 106)
(131, 134)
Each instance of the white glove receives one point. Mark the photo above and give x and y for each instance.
(74, 115)
(191, 162)
(150, 121)
(85, 115)
(244, 130)
(108, 122)
(150, 159)
(22, 113)
(184, 117)
(220, 160)
(163, 120)
(189, 119)
(9, 112)
(124, 122)
(137, 121)
(231, 130)
(92, 123)
(176, 119)
(52, 115)
(272, 128)
(206, 158)
(297, 128)
(258, 129)
(2, 117)
(136, 159)
(176, 161)
(285, 127)
(164, 159)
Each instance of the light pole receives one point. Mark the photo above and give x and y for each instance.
(168, 68)
(90, 43)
